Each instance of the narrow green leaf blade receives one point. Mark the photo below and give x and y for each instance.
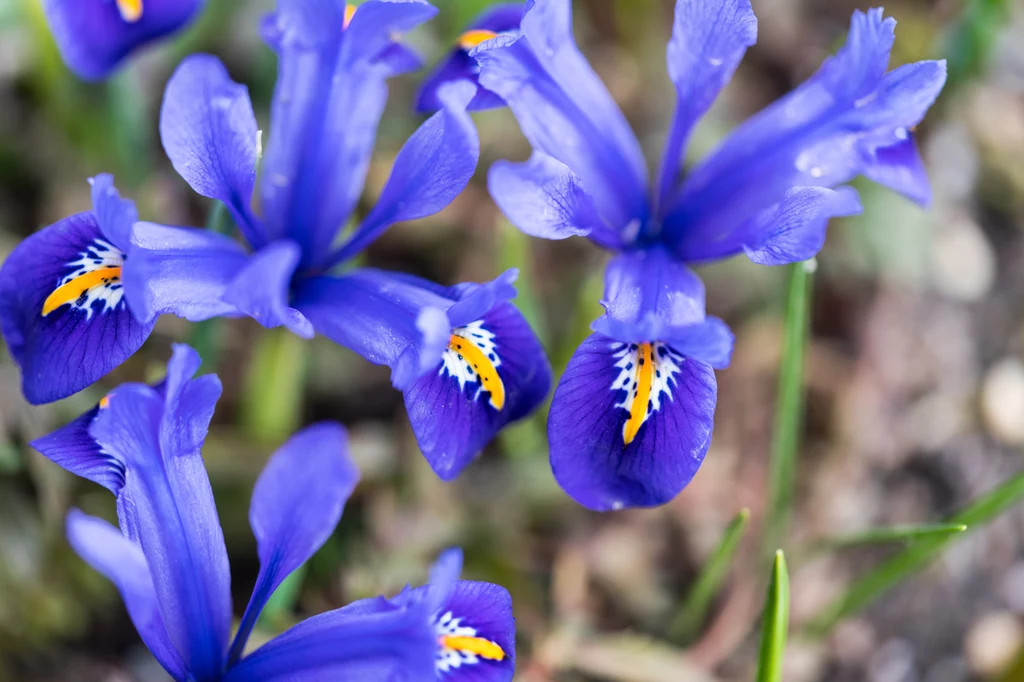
(789, 405)
(889, 573)
(696, 604)
(775, 624)
(876, 536)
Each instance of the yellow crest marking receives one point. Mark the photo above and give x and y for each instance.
(470, 39)
(645, 377)
(70, 291)
(484, 648)
(350, 11)
(131, 10)
(489, 378)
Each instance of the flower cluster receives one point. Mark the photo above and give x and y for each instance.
(170, 564)
(632, 415)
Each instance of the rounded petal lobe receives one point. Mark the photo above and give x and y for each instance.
(63, 311)
(93, 36)
(630, 423)
(297, 502)
(493, 371)
(476, 632)
(108, 551)
(181, 270)
(210, 135)
(544, 198)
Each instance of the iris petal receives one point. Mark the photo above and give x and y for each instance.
(86, 331)
(297, 502)
(93, 37)
(602, 460)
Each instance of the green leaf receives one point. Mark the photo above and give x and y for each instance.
(889, 573)
(789, 404)
(775, 624)
(875, 536)
(695, 606)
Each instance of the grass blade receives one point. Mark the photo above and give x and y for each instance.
(775, 624)
(789, 404)
(876, 536)
(695, 607)
(878, 580)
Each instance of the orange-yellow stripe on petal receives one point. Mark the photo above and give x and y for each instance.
(350, 11)
(484, 648)
(492, 383)
(70, 291)
(131, 10)
(645, 377)
(470, 39)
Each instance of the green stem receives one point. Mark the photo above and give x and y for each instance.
(695, 606)
(789, 406)
(272, 404)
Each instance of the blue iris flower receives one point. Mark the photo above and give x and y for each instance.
(632, 416)
(169, 562)
(94, 36)
(79, 297)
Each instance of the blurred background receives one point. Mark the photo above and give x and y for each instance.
(915, 375)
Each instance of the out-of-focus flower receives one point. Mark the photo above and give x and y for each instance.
(169, 562)
(501, 19)
(631, 419)
(464, 357)
(93, 36)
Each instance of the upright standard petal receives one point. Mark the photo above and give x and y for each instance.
(502, 18)
(181, 270)
(493, 371)
(708, 41)
(108, 551)
(63, 311)
(297, 502)
(576, 131)
(209, 132)
(114, 215)
(95, 35)
(385, 317)
(167, 508)
(833, 127)
(330, 94)
(431, 169)
(630, 423)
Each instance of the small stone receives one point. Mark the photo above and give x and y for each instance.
(992, 643)
(963, 263)
(1002, 401)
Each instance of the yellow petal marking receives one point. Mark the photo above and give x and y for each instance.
(492, 383)
(105, 402)
(484, 648)
(70, 291)
(131, 10)
(470, 39)
(350, 11)
(645, 376)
